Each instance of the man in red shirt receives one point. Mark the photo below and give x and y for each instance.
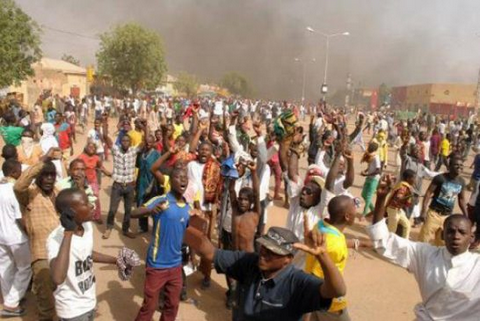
(64, 137)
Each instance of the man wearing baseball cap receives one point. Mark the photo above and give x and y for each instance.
(269, 287)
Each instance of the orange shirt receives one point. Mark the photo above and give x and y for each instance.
(91, 163)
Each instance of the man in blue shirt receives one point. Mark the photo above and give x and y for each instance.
(170, 215)
(269, 287)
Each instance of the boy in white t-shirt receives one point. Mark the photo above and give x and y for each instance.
(71, 257)
(15, 259)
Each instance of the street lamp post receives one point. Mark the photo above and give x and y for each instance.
(327, 47)
(304, 63)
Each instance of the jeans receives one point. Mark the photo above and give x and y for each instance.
(119, 191)
(89, 316)
(442, 160)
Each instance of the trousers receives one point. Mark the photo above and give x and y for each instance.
(119, 192)
(369, 189)
(15, 272)
(397, 216)
(43, 288)
(156, 279)
(431, 231)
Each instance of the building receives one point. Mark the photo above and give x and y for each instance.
(366, 98)
(454, 100)
(54, 76)
(168, 86)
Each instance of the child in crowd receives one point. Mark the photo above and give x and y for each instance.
(342, 211)
(71, 257)
(245, 213)
(93, 164)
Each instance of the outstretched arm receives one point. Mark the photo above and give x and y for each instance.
(59, 265)
(427, 198)
(400, 251)
(383, 189)
(155, 169)
(108, 141)
(461, 202)
(294, 156)
(103, 258)
(357, 130)
(199, 243)
(256, 187)
(196, 137)
(350, 176)
(333, 173)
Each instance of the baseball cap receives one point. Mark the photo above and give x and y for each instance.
(279, 240)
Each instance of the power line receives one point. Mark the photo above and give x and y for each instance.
(71, 33)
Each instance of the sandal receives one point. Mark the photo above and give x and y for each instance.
(12, 313)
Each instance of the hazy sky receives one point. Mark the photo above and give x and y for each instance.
(393, 41)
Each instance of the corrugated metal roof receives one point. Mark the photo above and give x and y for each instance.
(60, 65)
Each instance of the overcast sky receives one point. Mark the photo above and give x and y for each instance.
(393, 41)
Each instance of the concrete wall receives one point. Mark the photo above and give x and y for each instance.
(418, 97)
(454, 93)
(422, 96)
(45, 79)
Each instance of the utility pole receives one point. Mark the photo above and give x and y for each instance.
(349, 88)
(477, 102)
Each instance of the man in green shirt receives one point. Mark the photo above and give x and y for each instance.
(11, 133)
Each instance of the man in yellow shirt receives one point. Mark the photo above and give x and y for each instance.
(444, 152)
(136, 135)
(178, 127)
(381, 140)
(342, 213)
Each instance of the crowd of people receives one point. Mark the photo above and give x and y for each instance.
(198, 171)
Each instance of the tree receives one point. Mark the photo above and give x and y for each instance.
(236, 84)
(384, 94)
(132, 57)
(71, 59)
(187, 84)
(19, 44)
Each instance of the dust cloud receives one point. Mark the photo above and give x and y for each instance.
(396, 42)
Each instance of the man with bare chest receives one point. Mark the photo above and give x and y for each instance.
(245, 212)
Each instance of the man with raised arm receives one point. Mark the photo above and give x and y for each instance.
(269, 286)
(448, 277)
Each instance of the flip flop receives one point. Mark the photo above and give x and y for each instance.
(10, 314)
